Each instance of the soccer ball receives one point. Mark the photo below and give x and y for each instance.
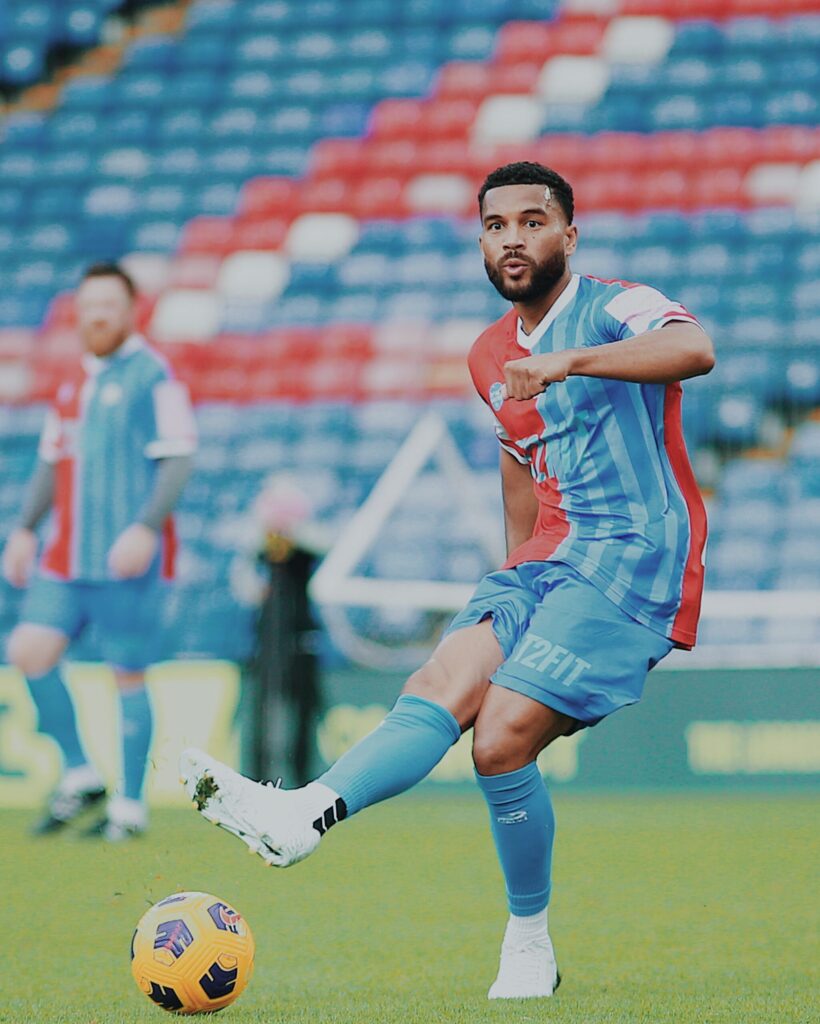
(192, 953)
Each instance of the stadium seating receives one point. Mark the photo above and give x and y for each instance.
(294, 186)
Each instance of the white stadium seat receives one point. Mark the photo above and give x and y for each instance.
(185, 315)
(321, 237)
(257, 276)
(507, 119)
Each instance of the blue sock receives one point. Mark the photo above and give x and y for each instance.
(404, 748)
(56, 716)
(137, 727)
(523, 827)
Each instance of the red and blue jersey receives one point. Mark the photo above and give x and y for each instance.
(616, 493)
(104, 434)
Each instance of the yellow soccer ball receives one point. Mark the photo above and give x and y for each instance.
(192, 953)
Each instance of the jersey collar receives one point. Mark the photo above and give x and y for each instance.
(529, 341)
(96, 364)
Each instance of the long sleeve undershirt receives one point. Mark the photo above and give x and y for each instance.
(172, 475)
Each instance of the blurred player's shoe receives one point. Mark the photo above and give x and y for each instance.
(282, 826)
(527, 969)
(77, 791)
(124, 819)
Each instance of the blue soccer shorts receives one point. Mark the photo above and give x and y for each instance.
(564, 643)
(126, 615)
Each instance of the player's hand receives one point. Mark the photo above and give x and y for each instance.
(19, 555)
(133, 551)
(528, 377)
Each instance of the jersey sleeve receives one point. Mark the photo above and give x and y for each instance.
(49, 447)
(509, 445)
(175, 430)
(636, 309)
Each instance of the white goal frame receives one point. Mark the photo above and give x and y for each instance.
(336, 586)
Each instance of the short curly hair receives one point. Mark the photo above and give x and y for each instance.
(524, 172)
(111, 269)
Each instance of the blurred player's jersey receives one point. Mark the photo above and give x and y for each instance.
(617, 496)
(104, 434)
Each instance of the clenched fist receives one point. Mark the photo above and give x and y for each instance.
(19, 555)
(528, 377)
(132, 552)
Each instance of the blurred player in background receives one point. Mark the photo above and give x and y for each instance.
(114, 455)
(605, 536)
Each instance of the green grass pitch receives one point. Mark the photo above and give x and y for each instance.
(666, 908)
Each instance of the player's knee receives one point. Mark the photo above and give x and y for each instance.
(435, 682)
(28, 654)
(497, 750)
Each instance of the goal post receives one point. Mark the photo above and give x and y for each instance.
(337, 585)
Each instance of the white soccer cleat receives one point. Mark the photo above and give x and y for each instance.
(527, 969)
(282, 826)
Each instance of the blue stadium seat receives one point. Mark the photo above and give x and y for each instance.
(753, 480)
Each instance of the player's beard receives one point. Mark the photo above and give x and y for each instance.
(542, 277)
(103, 339)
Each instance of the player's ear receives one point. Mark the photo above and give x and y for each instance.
(570, 239)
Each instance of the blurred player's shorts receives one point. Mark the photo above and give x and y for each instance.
(126, 615)
(564, 643)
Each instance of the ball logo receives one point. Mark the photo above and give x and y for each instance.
(497, 395)
(171, 940)
(226, 919)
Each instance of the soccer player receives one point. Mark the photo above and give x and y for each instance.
(114, 455)
(605, 533)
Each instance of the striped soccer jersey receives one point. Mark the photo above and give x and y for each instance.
(617, 498)
(104, 434)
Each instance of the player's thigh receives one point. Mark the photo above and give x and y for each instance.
(458, 672)
(52, 615)
(129, 621)
(35, 649)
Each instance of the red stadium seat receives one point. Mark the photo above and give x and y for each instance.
(17, 341)
(61, 312)
(615, 151)
(608, 190)
(729, 147)
(567, 154)
(665, 189)
(397, 119)
(475, 81)
(208, 235)
(674, 151)
(378, 197)
(337, 158)
(722, 186)
(260, 234)
(392, 156)
(326, 195)
(449, 119)
(789, 142)
(522, 42)
(267, 197)
(198, 270)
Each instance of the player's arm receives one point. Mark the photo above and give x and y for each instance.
(520, 503)
(21, 547)
(172, 446)
(675, 352)
(133, 551)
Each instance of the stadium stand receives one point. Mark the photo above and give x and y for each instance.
(293, 184)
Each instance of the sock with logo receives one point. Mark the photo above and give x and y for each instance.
(56, 716)
(136, 723)
(400, 752)
(523, 827)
